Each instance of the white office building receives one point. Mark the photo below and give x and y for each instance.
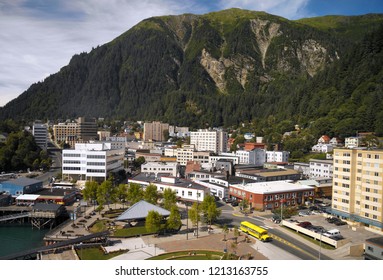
(277, 156)
(171, 168)
(256, 156)
(321, 168)
(209, 140)
(91, 161)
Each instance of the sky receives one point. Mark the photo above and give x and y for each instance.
(38, 37)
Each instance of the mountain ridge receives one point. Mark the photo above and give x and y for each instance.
(220, 68)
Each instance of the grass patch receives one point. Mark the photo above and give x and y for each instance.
(96, 253)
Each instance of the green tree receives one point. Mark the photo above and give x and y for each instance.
(122, 193)
(370, 141)
(138, 162)
(135, 193)
(245, 205)
(106, 193)
(194, 214)
(151, 194)
(153, 221)
(225, 231)
(90, 191)
(174, 220)
(209, 209)
(169, 198)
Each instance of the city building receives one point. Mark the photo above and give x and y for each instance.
(373, 248)
(40, 133)
(277, 156)
(80, 131)
(352, 142)
(321, 168)
(154, 131)
(224, 156)
(180, 132)
(267, 175)
(209, 140)
(271, 195)
(186, 191)
(303, 168)
(188, 153)
(21, 185)
(322, 148)
(91, 161)
(357, 193)
(172, 168)
(254, 157)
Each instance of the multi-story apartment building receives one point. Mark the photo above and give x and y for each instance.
(40, 133)
(277, 156)
(81, 130)
(358, 186)
(255, 157)
(178, 131)
(154, 131)
(209, 140)
(321, 168)
(91, 161)
(188, 153)
(352, 142)
(171, 168)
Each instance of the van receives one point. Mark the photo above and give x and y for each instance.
(332, 233)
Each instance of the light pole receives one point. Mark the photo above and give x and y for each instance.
(187, 221)
(197, 214)
(320, 245)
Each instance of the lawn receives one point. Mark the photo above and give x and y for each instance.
(96, 253)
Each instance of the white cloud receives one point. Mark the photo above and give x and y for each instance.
(36, 40)
(291, 9)
(40, 37)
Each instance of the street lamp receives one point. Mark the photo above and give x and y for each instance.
(197, 213)
(320, 245)
(187, 221)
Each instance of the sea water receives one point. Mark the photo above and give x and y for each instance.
(16, 238)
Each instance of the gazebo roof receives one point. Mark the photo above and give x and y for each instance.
(140, 210)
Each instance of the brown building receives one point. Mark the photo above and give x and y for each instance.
(270, 195)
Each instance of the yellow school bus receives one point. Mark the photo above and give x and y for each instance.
(254, 230)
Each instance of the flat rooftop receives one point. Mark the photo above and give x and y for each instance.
(150, 178)
(272, 187)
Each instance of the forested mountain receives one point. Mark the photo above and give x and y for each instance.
(224, 68)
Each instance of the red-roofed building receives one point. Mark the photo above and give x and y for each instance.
(324, 139)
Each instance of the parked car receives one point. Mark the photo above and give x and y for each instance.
(303, 213)
(333, 233)
(276, 219)
(318, 229)
(340, 223)
(305, 224)
(332, 220)
(234, 203)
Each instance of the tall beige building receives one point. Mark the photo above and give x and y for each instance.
(81, 130)
(358, 186)
(154, 131)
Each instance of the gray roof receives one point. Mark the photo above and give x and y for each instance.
(140, 210)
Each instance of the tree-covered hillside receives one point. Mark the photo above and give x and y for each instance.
(221, 69)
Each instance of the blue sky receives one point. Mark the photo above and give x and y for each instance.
(38, 37)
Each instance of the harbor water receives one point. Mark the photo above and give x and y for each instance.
(15, 238)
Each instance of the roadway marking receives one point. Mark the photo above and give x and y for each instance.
(291, 245)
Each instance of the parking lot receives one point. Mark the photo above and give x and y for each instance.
(352, 235)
